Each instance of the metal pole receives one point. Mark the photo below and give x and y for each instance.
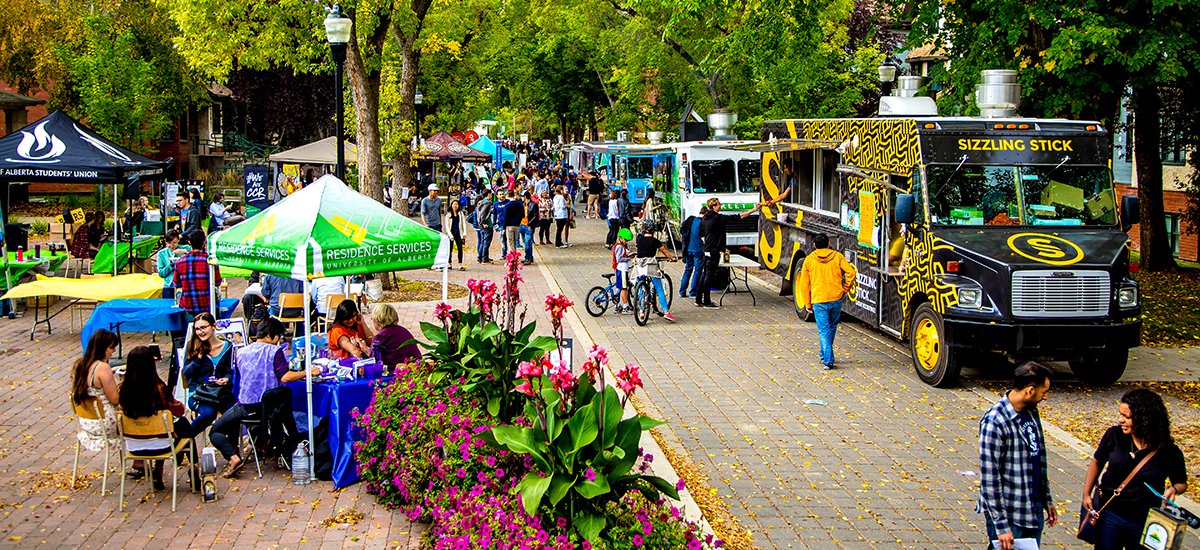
(114, 233)
(339, 55)
(312, 446)
(445, 281)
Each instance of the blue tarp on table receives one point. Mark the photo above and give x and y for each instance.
(144, 315)
(335, 400)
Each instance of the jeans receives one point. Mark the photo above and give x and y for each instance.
(227, 429)
(485, 244)
(204, 416)
(527, 240)
(1017, 531)
(1114, 532)
(827, 314)
(704, 291)
(614, 225)
(656, 282)
(693, 266)
(503, 243)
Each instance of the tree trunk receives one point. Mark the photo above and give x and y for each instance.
(1155, 248)
(365, 87)
(410, 66)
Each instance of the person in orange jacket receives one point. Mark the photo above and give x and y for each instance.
(825, 278)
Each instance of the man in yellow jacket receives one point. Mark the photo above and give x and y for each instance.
(824, 279)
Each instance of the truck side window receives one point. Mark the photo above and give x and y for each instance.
(805, 175)
(828, 197)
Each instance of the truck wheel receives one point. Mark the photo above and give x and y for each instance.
(1101, 371)
(933, 358)
(804, 314)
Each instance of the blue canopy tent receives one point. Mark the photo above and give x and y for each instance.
(486, 145)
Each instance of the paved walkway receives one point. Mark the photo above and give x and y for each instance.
(880, 462)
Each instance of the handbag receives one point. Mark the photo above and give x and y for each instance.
(212, 394)
(1087, 521)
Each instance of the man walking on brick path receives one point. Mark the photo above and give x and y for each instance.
(1014, 488)
(825, 278)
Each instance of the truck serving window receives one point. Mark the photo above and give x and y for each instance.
(641, 167)
(749, 175)
(1020, 195)
(713, 176)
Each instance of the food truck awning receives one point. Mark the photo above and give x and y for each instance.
(778, 145)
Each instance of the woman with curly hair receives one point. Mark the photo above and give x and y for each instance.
(1143, 429)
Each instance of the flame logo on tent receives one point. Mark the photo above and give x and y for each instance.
(264, 227)
(350, 229)
(104, 147)
(37, 140)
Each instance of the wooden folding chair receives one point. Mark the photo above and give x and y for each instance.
(155, 426)
(287, 300)
(90, 409)
(331, 304)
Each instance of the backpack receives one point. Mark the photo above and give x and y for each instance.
(257, 316)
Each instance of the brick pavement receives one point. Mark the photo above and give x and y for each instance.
(873, 468)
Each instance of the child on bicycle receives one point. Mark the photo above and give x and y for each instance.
(620, 252)
(648, 247)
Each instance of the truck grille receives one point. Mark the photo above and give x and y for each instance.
(1060, 293)
(749, 224)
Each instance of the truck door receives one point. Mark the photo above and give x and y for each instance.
(891, 311)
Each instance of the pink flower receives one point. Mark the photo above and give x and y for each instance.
(442, 312)
(598, 354)
(564, 381)
(628, 378)
(556, 303)
(561, 522)
(590, 474)
(637, 540)
(524, 387)
(679, 485)
(528, 369)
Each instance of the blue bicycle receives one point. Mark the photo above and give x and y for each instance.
(599, 298)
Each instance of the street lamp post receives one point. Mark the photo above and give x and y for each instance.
(417, 100)
(887, 74)
(337, 30)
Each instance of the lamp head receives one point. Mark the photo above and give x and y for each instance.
(887, 71)
(338, 26)
(418, 98)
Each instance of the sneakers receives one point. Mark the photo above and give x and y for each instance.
(669, 317)
(711, 305)
(625, 310)
(827, 366)
(697, 304)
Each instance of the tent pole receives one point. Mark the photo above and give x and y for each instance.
(445, 281)
(114, 233)
(312, 446)
(212, 290)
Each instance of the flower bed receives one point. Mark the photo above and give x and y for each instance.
(497, 446)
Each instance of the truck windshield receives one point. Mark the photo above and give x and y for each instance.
(1020, 195)
(713, 176)
(749, 175)
(641, 167)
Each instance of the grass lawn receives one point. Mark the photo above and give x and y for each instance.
(1170, 306)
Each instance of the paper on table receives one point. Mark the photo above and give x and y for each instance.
(1020, 544)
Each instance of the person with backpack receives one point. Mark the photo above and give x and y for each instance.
(620, 264)
(483, 222)
(625, 210)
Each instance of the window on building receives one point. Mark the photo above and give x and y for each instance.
(1173, 232)
(216, 117)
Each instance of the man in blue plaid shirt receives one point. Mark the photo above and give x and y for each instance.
(1014, 489)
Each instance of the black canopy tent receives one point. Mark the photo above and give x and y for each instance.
(58, 149)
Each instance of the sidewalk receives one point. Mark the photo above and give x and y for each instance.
(874, 463)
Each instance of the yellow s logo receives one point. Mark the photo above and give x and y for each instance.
(1047, 249)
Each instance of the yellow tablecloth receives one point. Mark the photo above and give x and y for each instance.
(113, 288)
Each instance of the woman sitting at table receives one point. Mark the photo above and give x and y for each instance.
(96, 232)
(92, 378)
(209, 359)
(390, 337)
(349, 336)
(261, 366)
(142, 395)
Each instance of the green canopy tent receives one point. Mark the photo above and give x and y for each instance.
(328, 230)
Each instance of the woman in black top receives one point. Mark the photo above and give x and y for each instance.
(1143, 426)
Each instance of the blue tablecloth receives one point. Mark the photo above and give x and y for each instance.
(144, 315)
(335, 401)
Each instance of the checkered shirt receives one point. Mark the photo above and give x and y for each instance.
(1004, 465)
(191, 281)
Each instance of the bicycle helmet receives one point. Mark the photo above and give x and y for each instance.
(625, 234)
(649, 226)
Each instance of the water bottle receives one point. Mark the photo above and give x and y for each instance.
(37, 251)
(20, 253)
(300, 471)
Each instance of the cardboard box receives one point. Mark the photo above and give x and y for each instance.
(1100, 205)
(62, 231)
(40, 301)
(1067, 198)
(144, 265)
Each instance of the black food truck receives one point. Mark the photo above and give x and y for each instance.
(970, 235)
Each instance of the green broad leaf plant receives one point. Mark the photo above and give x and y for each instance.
(583, 451)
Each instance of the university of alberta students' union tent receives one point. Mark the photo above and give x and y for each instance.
(328, 230)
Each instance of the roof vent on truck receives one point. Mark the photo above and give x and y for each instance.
(906, 100)
(998, 95)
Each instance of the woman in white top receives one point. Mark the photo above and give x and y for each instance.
(453, 224)
(562, 215)
(93, 378)
(614, 219)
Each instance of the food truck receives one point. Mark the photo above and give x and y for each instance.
(990, 234)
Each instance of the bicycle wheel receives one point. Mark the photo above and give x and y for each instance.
(669, 288)
(643, 295)
(597, 301)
